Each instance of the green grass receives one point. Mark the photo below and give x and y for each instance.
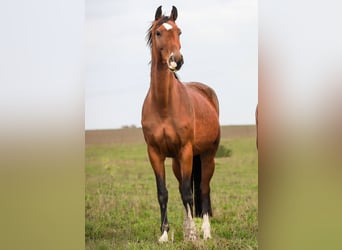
(122, 210)
(222, 151)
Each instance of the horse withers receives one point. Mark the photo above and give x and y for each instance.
(181, 121)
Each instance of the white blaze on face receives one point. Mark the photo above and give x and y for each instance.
(167, 26)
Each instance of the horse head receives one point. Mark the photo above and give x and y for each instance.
(163, 38)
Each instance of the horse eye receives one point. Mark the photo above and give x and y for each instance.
(158, 33)
(179, 33)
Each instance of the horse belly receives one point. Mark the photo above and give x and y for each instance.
(206, 143)
(207, 132)
(206, 118)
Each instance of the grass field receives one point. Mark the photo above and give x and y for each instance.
(122, 210)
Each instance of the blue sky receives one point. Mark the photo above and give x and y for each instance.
(219, 45)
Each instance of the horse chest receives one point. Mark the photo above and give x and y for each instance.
(168, 139)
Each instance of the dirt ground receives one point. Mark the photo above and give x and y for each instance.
(135, 135)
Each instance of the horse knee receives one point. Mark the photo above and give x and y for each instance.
(187, 199)
(161, 190)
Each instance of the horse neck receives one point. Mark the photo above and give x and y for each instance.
(162, 83)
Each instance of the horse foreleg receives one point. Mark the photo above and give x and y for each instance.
(189, 228)
(185, 160)
(157, 163)
(163, 199)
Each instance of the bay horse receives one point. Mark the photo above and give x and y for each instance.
(180, 121)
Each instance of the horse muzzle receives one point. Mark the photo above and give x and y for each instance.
(175, 62)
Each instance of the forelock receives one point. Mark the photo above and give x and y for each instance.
(154, 25)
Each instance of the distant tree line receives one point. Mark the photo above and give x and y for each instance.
(129, 126)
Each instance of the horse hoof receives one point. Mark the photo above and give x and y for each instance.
(164, 237)
(190, 232)
(206, 235)
(192, 236)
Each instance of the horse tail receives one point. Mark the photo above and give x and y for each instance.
(196, 179)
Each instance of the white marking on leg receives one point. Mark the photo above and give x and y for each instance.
(167, 26)
(189, 212)
(189, 228)
(164, 237)
(206, 227)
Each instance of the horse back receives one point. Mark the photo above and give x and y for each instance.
(206, 91)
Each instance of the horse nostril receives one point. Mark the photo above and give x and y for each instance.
(181, 61)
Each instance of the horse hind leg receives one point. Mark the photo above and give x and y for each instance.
(206, 227)
(208, 166)
(196, 179)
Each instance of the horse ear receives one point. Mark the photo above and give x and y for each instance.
(158, 13)
(174, 13)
